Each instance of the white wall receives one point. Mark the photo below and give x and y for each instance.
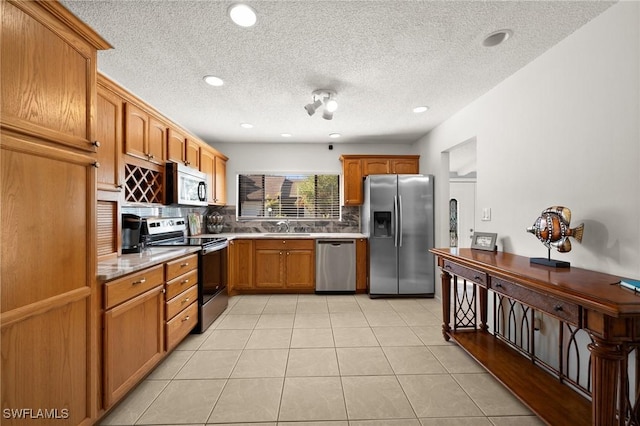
(293, 157)
(564, 130)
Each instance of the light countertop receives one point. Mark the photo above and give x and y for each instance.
(129, 263)
(302, 235)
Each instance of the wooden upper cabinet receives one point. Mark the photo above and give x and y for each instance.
(176, 146)
(357, 167)
(405, 166)
(221, 180)
(352, 186)
(214, 165)
(157, 142)
(145, 136)
(208, 166)
(192, 154)
(109, 134)
(136, 131)
(48, 73)
(375, 166)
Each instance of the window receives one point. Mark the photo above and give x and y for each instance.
(293, 196)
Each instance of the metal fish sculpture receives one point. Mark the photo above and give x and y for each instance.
(552, 228)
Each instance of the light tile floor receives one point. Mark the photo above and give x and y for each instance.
(337, 360)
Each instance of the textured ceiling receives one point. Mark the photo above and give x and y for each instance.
(381, 57)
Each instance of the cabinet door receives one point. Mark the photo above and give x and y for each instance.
(133, 342)
(221, 181)
(192, 154)
(176, 146)
(300, 269)
(108, 240)
(269, 268)
(240, 265)
(362, 266)
(136, 127)
(47, 278)
(375, 166)
(109, 134)
(157, 142)
(47, 75)
(405, 166)
(352, 175)
(208, 166)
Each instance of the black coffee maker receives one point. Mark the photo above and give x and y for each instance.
(131, 233)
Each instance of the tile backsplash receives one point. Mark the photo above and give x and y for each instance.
(350, 219)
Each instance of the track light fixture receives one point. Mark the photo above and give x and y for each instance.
(320, 97)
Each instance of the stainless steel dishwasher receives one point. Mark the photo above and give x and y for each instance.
(335, 265)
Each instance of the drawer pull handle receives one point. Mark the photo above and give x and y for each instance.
(498, 285)
(447, 267)
(186, 318)
(184, 264)
(140, 281)
(557, 308)
(185, 300)
(477, 278)
(185, 281)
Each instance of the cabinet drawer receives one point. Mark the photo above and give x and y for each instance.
(177, 267)
(178, 327)
(122, 289)
(180, 284)
(285, 244)
(467, 273)
(181, 301)
(565, 311)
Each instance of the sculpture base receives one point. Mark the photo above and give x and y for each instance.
(549, 262)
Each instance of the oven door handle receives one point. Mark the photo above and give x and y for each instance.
(217, 247)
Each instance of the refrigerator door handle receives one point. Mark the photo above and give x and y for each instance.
(395, 221)
(400, 217)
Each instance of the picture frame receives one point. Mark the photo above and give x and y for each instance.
(484, 241)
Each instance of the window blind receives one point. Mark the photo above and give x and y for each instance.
(294, 196)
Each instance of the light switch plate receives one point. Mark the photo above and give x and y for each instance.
(486, 214)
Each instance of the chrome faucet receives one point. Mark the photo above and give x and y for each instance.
(283, 226)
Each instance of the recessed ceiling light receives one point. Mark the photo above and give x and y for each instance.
(334, 135)
(497, 37)
(286, 135)
(246, 125)
(420, 109)
(213, 80)
(242, 15)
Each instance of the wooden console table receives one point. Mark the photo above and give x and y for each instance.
(580, 300)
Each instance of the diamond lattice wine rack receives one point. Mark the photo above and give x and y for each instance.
(142, 185)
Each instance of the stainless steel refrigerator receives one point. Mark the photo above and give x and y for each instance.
(398, 218)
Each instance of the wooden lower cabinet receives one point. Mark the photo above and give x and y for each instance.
(362, 265)
(181, 325)
(300, 267)
(241, 265)
(261, 265)
(285, 264)
(181, 294)
(133, 342)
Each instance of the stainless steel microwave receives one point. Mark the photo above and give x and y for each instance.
(185, 186)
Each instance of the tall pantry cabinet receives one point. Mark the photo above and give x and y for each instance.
(48, 308)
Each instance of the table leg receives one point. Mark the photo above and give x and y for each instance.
(483, 294)
(446, 304)
(605, 368)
